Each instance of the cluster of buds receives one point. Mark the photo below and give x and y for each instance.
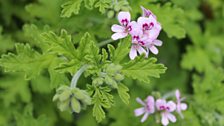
(71, 99)
(144, 32)
(161, 106)
(111, 75)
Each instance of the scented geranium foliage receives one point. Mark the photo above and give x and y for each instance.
(111, 63)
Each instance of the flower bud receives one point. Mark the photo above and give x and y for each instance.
(73, 99)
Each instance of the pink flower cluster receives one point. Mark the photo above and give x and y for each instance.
(144, 32)
(166, 109)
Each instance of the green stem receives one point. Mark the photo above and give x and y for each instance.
(105, 42)
(169, 94)
(77, 75)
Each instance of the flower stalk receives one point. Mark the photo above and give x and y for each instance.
(77, 75)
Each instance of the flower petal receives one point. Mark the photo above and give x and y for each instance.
(140, 101)
(133, 53)
(154, 32)
(117, 28)
(135, 29)
(154, 50)
(139, 111)
(151, 103)
(124, 16)
(171, 117)
(165, 120)
(160, 102)
(177, 95)
(183, 106)
(171, 105)
(144, 117)
(118, 35)
(141, 50)
(157, 42)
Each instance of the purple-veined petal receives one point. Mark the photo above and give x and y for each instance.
(139, 111)
(140, 101)
(117, 28)
(171, 105)
(171, 117)
(157, 42)
(123, 16)
(159, 103)
(154, 32)
(164, 119)
(118, 35)
(144, 117)
(133, 52)
(154, 50)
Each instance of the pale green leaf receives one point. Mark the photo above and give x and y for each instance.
(142, 69)
(123, 93)
(71, 7)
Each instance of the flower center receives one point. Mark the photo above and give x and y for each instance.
(129, 28)
(147, 26)
(124, 22)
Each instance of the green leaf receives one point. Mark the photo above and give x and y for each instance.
(196, 58)
(57, 78)
(118, 54)
(27, 60)
(84, 46)
(89, 3)
(101, 98)
(103, 5)
(94, 55)
(14, 86)
(172, 19)
(71, 7)
(123, 93)
(98, 112)
(61, 45)
(70, 66)
(36, 10)
(27, 118)
(142, 69)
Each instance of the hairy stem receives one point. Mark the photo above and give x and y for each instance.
(105, 42)
(77, 75)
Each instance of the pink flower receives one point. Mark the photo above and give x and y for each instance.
(147, 109)
(180, 106)
(166, 108)
(137, 44)
(122, 30)
(147, 13)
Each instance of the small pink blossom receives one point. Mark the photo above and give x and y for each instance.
(180, 106)
(144, 32)
(166, 108)
(147, 109)
(122, 30)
